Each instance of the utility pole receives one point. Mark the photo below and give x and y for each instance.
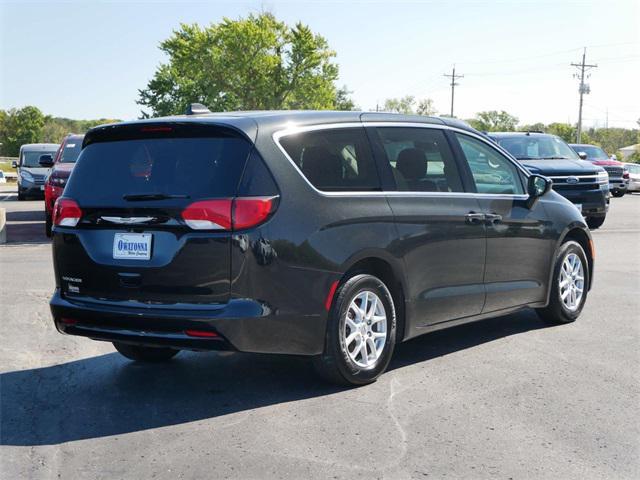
(584, 88)
(453, 77)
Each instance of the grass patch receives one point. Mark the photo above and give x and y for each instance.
(6, 166)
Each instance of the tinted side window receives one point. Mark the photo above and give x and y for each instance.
(492, 172)
(420, 159)
(334, 160)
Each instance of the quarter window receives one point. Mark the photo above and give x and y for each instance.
(420, 159)
(334, 159)
(492, 172)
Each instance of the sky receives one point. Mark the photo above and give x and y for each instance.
(87, 60)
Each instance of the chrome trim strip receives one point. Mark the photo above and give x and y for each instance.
(128, 220)
(576, 176)
(394, 193)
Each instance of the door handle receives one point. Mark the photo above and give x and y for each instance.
(474, 218)
(493, 218)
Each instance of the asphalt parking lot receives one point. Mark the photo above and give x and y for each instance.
(507, 398)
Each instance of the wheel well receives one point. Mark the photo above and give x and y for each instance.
(586, 243)
(383, 270)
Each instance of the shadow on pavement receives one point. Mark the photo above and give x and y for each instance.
(107, 395)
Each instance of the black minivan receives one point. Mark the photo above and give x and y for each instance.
(333, 235)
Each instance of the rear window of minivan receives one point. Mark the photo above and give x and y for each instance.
(186, 167)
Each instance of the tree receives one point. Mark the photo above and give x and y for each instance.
(406, 105)
(20, 126)
(494, 121)
(248, 64)
(425, 107)
(343, 100)
(399, 105)
(535, 127)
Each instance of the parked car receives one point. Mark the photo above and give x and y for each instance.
(334, 235)
(2, 178)
(634, 177)
(580, 181)
(31, 174)
(62, 163)
(618, 177)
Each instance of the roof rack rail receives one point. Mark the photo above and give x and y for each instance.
(196, 109)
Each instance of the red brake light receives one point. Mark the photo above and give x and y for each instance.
(227, 213)
(66, 212)
(251, 211)
(156, 129)
(209, 214)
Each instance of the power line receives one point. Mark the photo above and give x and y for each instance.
(453, 77)
(584, 88)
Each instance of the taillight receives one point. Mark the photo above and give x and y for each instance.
(66, 212)
(209, 214)
(228, 214)
(251, 211)
(625, 175)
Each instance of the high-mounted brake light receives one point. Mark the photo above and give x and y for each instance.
(66, 212)
(228, 214)
(156, 129)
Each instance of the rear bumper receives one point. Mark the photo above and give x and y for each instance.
(242, 324)
(595, 203)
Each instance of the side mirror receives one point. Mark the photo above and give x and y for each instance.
(14, 164)
(46, 160)
(537, 186)
(582, 155)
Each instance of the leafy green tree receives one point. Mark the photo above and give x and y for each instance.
(563, 130)
(407, 105)
(400, 105)
(252, 63)
(425, 107)
(494, 121)
(343, 100)
(20, 126)
(535, 127)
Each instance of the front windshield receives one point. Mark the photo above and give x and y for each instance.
(32, 159)
(593, 153)
(537, 147)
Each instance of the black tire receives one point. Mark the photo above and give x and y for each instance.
(145, 354)
(47, 225)
(618, 193)
(557, 312)
(21, 196)
(336, 364)
(595, 222)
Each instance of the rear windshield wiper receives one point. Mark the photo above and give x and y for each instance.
(137, 197)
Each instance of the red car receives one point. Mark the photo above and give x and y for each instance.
(63, 164)
(618, 176)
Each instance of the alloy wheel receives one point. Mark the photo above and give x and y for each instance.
(571, 282)
(365, 329)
